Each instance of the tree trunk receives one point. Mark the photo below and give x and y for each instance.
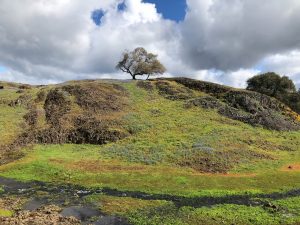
(148, 77)
(133, 77)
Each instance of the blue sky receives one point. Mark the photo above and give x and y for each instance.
(170, 9)
(2, 69)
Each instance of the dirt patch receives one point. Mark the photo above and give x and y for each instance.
(291, 168)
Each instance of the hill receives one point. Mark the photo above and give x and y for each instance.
(186, 144)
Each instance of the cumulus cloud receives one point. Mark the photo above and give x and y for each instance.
(236, 78)
(286, 64)
(57, 40)
(47, 41)
(228, 35)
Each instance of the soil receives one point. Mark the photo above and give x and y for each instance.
(291, 168)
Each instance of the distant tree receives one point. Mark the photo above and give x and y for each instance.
(271, 84)
(278, 87)
(140, 63)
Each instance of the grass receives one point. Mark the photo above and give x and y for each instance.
(84, 165)
(10, 118)
(158, 158)
(122, 206)
(5, 213)
(221, 214)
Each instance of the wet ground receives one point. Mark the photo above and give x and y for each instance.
(71, 199)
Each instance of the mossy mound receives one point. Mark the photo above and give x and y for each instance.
(87, 113)
(246, 106)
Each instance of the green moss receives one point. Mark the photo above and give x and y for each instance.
(5, 213)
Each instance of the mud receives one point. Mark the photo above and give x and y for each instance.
(71, 196)
(72, 207)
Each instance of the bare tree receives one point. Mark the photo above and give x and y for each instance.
(139, 63)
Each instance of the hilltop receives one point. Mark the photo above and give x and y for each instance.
(175, 136)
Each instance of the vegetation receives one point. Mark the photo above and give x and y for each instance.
(181, 161)
(139, 63)
(248, 107)
(274, 85)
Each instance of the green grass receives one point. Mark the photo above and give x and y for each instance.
(71, 163)
(122, 206)
(158, 142)
(220, 214)
(5, 213)
(164, 134)
(10, 117)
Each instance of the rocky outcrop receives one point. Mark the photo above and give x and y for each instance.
(242, 105)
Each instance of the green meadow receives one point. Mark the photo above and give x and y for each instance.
(165, 153)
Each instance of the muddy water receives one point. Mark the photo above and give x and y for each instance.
(68, 197)
(71, 199)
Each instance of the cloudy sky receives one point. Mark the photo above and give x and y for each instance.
(225, 41)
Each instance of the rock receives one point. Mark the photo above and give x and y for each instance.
(47, 215)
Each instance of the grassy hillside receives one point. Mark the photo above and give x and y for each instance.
(190, 140)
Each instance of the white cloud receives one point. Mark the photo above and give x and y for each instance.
(222, 41)
(286, 64)
(230, 35)
(236, 79)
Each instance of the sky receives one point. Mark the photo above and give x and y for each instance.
(170, 9)
(223, 41)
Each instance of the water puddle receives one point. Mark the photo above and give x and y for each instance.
(68, 197)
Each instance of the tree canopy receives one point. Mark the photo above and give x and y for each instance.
(139, 63)
(274, 85)
(271, 84)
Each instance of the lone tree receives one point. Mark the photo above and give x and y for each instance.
(271, 84)
(278, 87)
(139, 63)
